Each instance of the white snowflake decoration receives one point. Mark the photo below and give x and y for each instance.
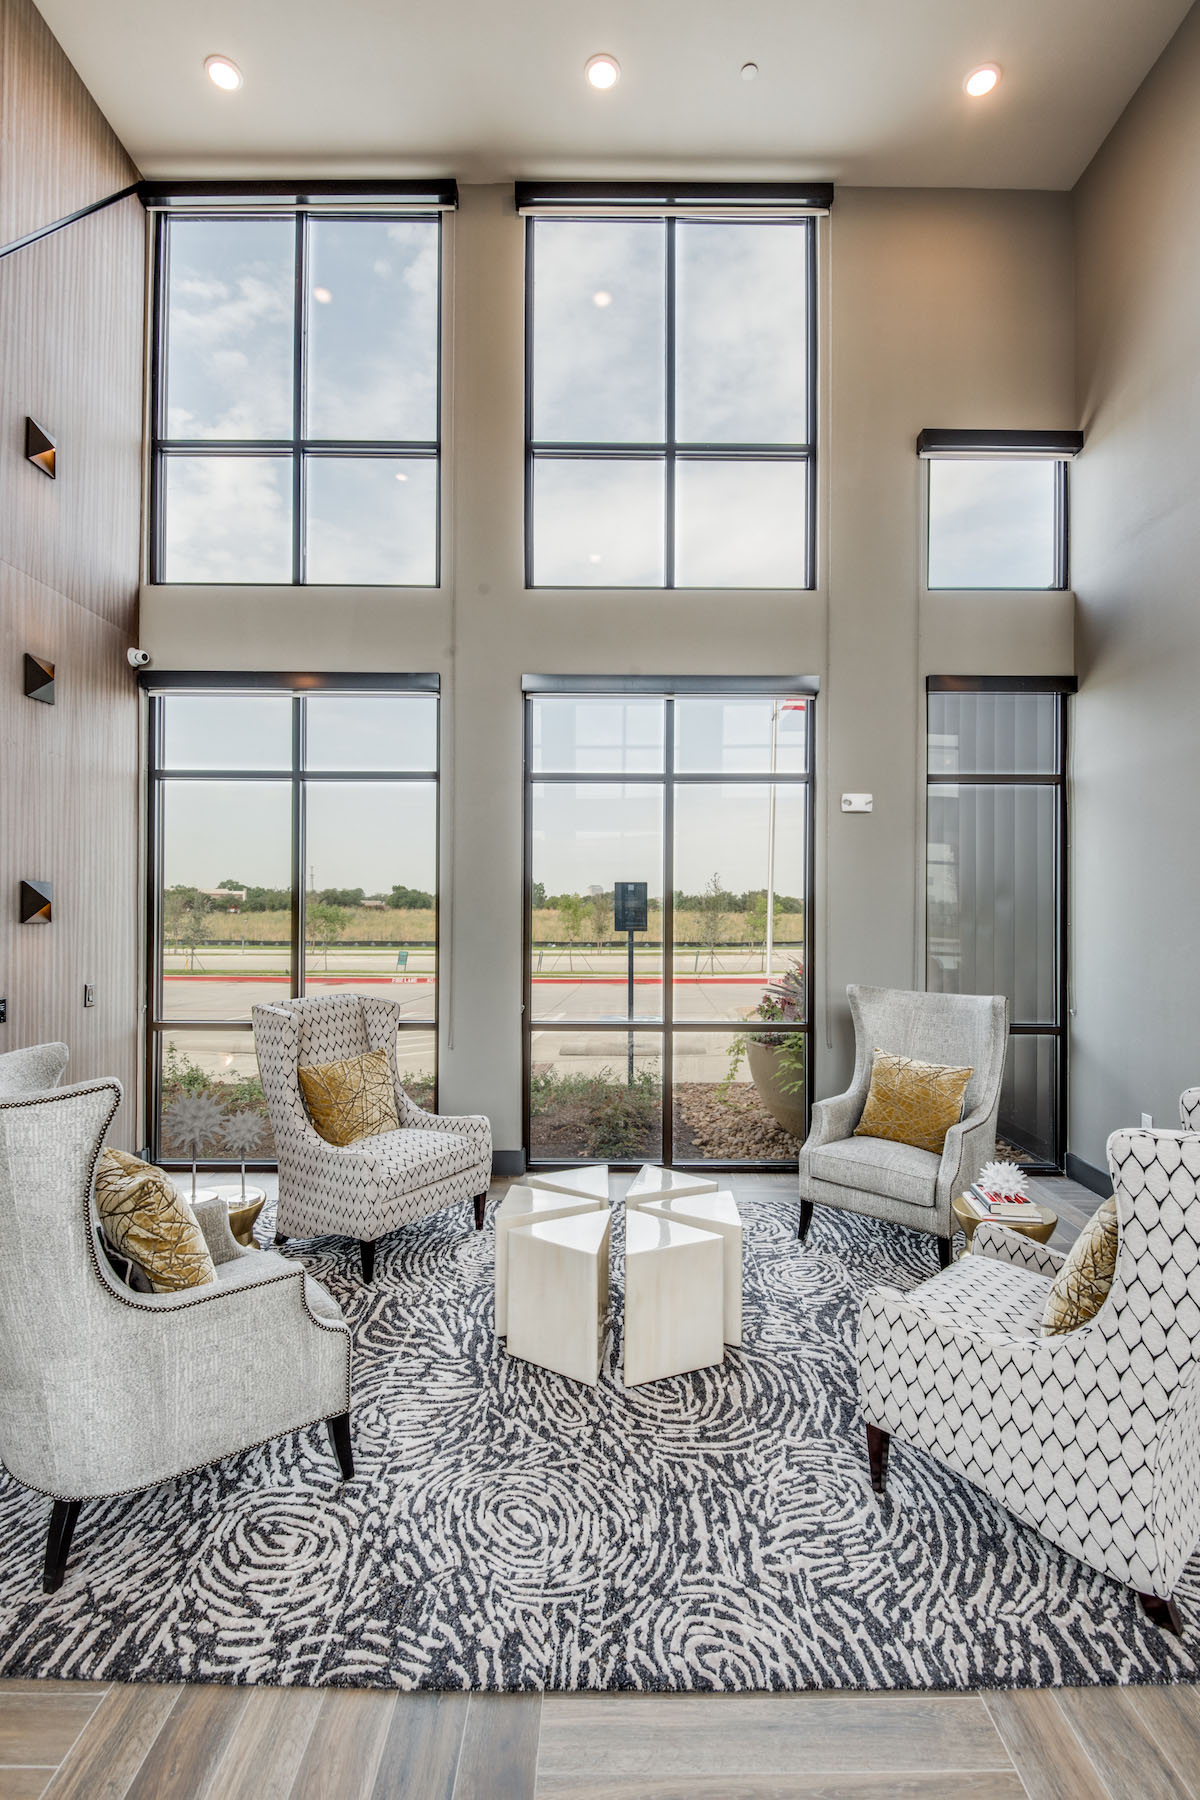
(244, 1133)
(1006, 1178)
(193, 1119)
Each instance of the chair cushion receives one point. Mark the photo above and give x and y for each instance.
(985, 1297)
(876, 1166)
(350, 1099)
(146, 1218)
(912, 1102)
(422, 1155)
(1081, 1286)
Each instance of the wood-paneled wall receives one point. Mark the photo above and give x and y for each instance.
(71, 346)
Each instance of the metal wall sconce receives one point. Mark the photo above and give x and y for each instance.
(39, 679)
(36, 902)
(39, 448)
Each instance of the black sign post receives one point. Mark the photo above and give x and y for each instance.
(630, 915)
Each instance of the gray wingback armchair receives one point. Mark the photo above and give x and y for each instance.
(32, 1071)
(898, 1182)
(103, 1390)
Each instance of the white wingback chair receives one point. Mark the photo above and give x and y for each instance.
(366, 1189)
(1093, 1436)
(898, 1182)
(32, 1071)
(103, 1390)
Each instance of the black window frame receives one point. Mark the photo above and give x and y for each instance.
(1062, 687)
(298, 447)
(670, 451)
(158, 687)
(942, 444)
(668, 778)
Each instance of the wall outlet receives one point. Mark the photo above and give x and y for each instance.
(859, 803)
(1147, 1122)
(89, 994)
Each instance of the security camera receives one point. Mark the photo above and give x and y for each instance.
(137, 659)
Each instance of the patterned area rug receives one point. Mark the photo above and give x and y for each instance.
(510, 1529)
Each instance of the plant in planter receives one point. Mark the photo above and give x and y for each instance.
(777, 1059)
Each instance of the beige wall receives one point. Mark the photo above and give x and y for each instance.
(71, 358)
(938, 309)
(1137, 553)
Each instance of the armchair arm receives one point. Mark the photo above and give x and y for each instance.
(968, 1145)
(993, 1238)
(834, 1119)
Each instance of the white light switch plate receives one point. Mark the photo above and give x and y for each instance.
(858, 802)
(1147, 1122)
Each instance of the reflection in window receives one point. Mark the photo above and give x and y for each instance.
(996, 523)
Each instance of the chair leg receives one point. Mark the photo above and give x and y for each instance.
(877, 1455)
(280, 1238)
(945, 1252)
(366, 1251)
(339, 1438)
(806, 1213)
(58, 1543)
(480, 1209)
(1163, 1613)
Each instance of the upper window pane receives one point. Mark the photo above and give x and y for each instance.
(230, 301)
(993, 734)
(373, 329)
(603, 735)
(741, 342)
(599, 331)
(227, 731)
(372, 731)
(993, 523)
(741, 736)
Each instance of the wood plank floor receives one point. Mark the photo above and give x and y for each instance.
(93, 1741)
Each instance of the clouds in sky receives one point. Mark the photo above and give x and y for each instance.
(992, 524)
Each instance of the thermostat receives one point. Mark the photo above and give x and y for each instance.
(858, 802)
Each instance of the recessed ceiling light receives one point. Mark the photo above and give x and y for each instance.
(223, 73)
(323, 295)
(400, 475)
(602, 71)
(594, 557)
(602, 298)
(749, 71)
(982, 80)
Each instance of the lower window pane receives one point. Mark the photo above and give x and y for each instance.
(1025, 1131)
(371, 521)
(416, 1059)
(586, 1100)
(738, 1100)
(740, 524)
(212, 1100)
(228, 518)
(597, 523)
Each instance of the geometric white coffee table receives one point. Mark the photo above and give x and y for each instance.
(558, 1293)
(654, 1183)
(525, 1205)
(718, 1213)
(587, 1183)
(674, 1297)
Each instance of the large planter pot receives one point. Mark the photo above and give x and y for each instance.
(769, 1076)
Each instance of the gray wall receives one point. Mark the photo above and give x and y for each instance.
(1136, 1041)
(939, 308)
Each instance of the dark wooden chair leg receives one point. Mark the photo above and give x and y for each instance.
(366, 1251)
(339, 1438)
(945, 1252)
(280, 1238)
(58, 1543)
(877, 1455)
(480, 1209)
(806, 1213)
(1163, 1613)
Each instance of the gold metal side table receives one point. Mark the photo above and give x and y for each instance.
(1040, 1229)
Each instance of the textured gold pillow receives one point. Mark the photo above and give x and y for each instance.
(912, 1102)
(145, 1217)
(351, 1099)
(1081, 1286)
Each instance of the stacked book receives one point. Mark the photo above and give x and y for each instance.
(1009, 1207)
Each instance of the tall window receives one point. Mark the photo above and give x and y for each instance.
(996, 859)
(296, 417)
(670, 402)
(293, 850)
(668, 856)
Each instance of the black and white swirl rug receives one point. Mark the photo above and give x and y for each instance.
(510, 1529)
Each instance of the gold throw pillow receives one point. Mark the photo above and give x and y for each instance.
(1081, 1286)
(145, 1217)
(912, 1102)
(351, 1099)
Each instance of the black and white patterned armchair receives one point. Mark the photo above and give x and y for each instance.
(1092, 1437)
(365, 1189)
(899, 1182)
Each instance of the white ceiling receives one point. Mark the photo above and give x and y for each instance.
(859, 91)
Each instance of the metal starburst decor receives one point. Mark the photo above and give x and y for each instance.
(193, 1120)
(245, 1134)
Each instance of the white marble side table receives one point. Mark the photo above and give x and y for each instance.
(524, 1205)
(674, 1298)
(558, 1293)
(588, 1183)
(713, 1212)
(654, 1183)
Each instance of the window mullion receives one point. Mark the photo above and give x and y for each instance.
(669, 471)
(298, 422)
(299, 721)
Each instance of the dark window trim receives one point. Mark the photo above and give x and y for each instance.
(670, 451)
(939, 441)
(648, 196)
(1002, 684)
(1062, 533)
(300, 446)
(177, 196)
(667, 779)
(157, 687)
